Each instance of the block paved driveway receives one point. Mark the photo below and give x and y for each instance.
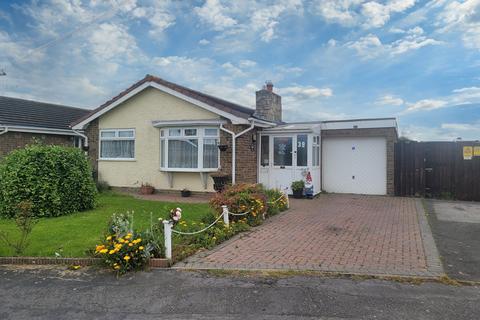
(339, 233)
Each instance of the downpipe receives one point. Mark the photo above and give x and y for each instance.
(234, 145)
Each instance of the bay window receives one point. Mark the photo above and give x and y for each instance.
(117, 144)
(189, 149)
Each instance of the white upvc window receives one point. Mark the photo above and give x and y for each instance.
(117, 144)
(189, 149)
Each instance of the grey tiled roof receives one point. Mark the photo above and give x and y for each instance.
(27, 113)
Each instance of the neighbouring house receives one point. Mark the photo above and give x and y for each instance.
(173, 137)
(24, 122)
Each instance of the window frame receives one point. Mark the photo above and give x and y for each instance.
(200, 137)
(116, 138)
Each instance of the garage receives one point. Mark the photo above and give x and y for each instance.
(354, 165)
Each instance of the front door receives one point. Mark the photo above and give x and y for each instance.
(282, 170)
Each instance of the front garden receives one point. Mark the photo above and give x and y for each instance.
(51, 208)
(76, 234)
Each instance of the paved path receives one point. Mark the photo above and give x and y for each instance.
(169, 294)
(339, 233)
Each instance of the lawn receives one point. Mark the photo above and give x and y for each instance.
(73, 235)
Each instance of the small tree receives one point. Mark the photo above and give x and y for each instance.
(25, 221)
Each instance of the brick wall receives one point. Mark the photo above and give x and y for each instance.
(92, 133)
(246, 157)
(389, 133)
(15, 140)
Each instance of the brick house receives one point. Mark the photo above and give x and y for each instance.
(173, 137)
(24, 122)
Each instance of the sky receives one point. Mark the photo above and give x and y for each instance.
(418, 61)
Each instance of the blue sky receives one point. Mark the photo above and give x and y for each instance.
(329, 59)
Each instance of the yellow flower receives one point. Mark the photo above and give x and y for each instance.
(141, 247)
(121, 240)
(112, 251)
(130, 244)
(126, 258)
(104, 251)
(116, 267)
(128, 236)
(109, 238)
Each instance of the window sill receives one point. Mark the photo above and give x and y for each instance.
(187, 170)
(117, 159)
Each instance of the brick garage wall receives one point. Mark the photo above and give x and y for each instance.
(389, 133)
(16, 140)
(92, 133)
(246, 157)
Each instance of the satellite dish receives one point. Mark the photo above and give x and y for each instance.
(2, 72)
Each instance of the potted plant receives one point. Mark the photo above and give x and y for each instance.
(146, 188)
(297, 188)
(186, 193)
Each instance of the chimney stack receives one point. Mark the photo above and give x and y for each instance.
(268, 104)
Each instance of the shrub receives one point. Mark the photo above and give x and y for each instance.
(276, 201)
(123, 252)
(123, 249)
(242, 198)
(55, 180)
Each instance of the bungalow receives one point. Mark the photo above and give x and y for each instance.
(173, 137)
(23, 122)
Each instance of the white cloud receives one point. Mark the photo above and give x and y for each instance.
(426, 104)
(460, 96)
(111, 40)
(305, 92)
(390, 100)
(368, 14)
(203, 42)
(461, 126)
(246, 63)
(214, 13)
(338, 11)
(464, 18)
(266, 19)
(370, 46)
(377, 15)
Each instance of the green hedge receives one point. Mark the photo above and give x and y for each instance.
(56, 180)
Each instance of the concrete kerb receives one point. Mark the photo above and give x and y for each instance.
(432, 255)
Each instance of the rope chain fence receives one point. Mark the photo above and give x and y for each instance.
(168, 225)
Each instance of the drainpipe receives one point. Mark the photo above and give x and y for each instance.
(234, 138)
(4, 131)
(85, 138)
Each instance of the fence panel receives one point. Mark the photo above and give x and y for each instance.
(436, 169)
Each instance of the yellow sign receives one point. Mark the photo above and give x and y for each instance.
(467, 153)
(476, 151)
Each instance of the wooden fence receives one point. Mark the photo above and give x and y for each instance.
(438, 169)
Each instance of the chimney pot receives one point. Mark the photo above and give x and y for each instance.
(269, 85)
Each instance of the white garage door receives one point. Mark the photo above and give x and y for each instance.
(355, 165)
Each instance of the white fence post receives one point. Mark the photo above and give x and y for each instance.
(167, 228)
(225, 215)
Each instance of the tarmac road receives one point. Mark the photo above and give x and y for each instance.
(46, 293)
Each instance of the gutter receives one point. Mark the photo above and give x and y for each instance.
(234, 138)
(85, 138)
(4, 131)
